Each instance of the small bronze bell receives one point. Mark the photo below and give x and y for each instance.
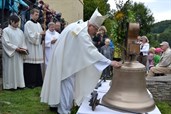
(128, 90)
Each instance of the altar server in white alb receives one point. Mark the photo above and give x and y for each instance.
(32, 64)
(50, 39)
(75, 65)
(14, 48)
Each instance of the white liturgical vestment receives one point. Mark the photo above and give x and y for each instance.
(73, 54)
(33, 41)
(48, 45)
(12, 61)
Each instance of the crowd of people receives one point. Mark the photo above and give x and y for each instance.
(26, 47)
(156, 60)
(66, 71)
(106, 47)
(22, 8)
(32, 18)
(162, 61)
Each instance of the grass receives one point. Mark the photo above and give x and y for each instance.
(27, 101)
(164, 107)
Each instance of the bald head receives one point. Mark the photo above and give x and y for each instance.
(51, 26)
(107, 41)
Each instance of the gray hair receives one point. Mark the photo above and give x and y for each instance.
(51, 23)
(107, 40)
(165, 43)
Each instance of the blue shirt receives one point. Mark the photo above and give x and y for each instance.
(12, 5)
(5, 4)
(111, 45)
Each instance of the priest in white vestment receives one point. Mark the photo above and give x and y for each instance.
(50, 39)
(32, 64)
(14, 48)
(75, 65)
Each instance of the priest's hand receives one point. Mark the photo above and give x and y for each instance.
(53, 41)
(22, 51)
(42, 33)
(17, 49)
(116, 64)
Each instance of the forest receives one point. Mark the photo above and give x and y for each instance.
(160, 31)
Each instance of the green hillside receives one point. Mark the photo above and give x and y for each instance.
(160, 31)
(161, 27)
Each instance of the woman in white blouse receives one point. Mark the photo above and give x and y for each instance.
(144, 49)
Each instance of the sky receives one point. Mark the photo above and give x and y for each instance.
(161, 9)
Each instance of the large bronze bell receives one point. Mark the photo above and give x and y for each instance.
(128, 90)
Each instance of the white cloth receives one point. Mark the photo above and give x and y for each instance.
(67, 88)
(33, 41)
(12, 76)
(74, 53)
(144, 48)
(67, 96)
(86, 109)
(48, 46)
(102, 64)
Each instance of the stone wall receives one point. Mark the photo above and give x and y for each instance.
(160, 87)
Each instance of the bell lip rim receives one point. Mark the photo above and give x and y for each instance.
(137, 110)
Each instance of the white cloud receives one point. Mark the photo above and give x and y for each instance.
(145, 1)
(113, 6)
(160, 16)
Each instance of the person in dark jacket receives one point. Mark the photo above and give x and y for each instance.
(99, 39)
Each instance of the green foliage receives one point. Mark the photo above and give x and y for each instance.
(121, 18)
(118, 21)
(164, 106)
(104, 8)
(144, 17)
(91, 5)
(161, 26)
(130, 12)
(154, 40)
(160, 31)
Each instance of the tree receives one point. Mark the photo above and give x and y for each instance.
(125, 13)
(104, 8)
(91, 5)
(121, 17)
(160, 31)
(144, 17)
(130, 12)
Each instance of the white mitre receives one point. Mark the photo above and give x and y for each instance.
(97, 19)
